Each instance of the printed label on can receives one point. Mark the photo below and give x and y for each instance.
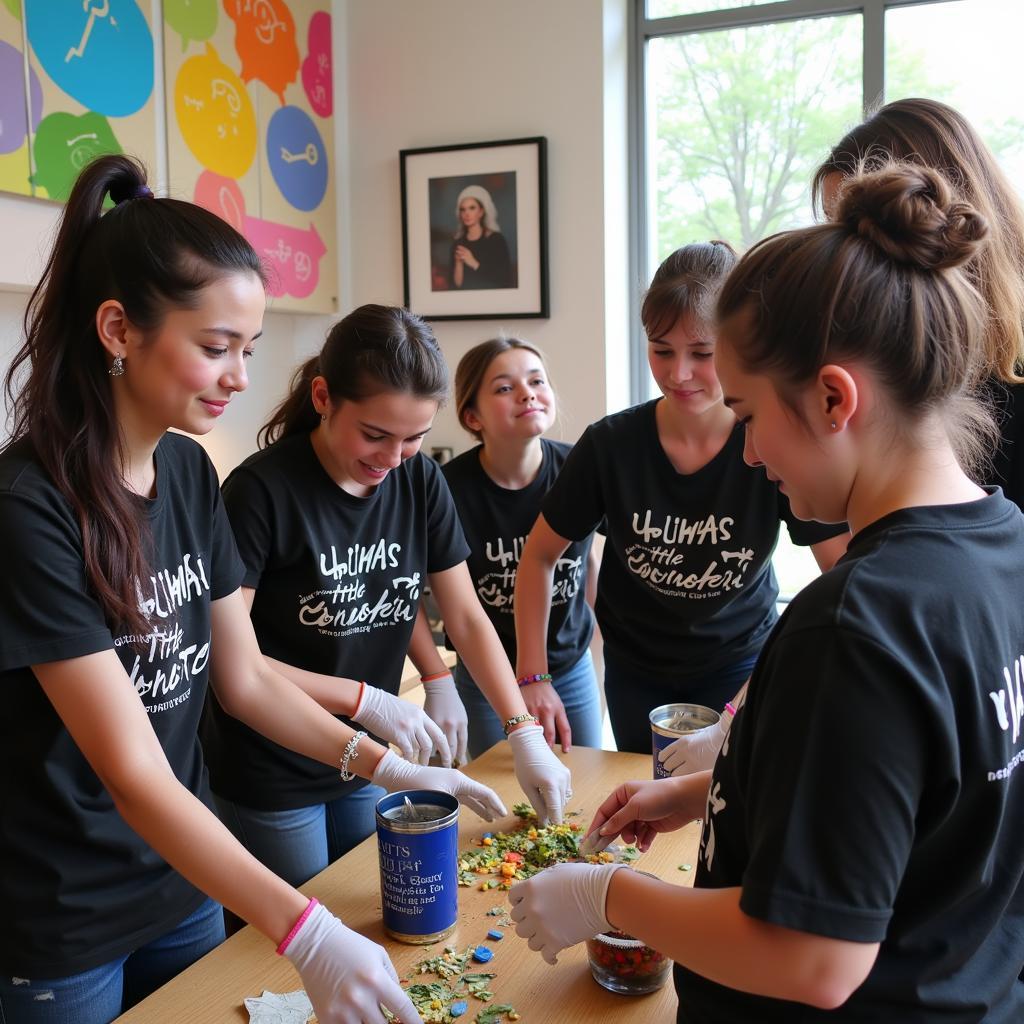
(670, 721)
(418, 865)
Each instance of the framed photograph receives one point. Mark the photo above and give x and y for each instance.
(474, 230)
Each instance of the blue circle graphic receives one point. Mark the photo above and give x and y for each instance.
(297, 157)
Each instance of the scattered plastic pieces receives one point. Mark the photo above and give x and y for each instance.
(458, 1008)
(482, 954)
(685, 867)
(495, 935)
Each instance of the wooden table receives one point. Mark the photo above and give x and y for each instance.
(212, 990)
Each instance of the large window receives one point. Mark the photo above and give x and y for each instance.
(736, 104)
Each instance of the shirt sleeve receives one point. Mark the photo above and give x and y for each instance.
(251, 517)
(47, 611)
(838, 760)
(574, 506)
(446, 543)
(228, 569)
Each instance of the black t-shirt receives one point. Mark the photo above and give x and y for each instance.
(1008, 460)
(686, 583)
(496, 522)
(337, 581)
(872, 787)
(78, 887)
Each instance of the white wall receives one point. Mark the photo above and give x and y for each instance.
(454, 71)
(409, 74)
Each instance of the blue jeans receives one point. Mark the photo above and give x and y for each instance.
(99, 995)
(577, 687)
(300, 843)
(633, 694)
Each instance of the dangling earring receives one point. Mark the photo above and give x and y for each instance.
(323, 417)
(117, 367)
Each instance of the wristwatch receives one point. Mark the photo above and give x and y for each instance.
(518, 720)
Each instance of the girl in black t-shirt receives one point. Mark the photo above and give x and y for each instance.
(686, 593)
(340, 521)
(860, 858)
(505, 400)
(119, 597)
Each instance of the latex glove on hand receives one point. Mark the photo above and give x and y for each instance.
(445, 709)
(545, 780)
(346, 976)
(394, 774)
(562, 905)
(695, 751)
(402, 723)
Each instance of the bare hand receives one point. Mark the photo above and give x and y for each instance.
(543, 702)
(638, 811)
(465, 255)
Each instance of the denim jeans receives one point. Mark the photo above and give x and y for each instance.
(577, 687)
(633, 694)
(298, 844)
(99, 995)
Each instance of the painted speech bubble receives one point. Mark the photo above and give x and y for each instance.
(221, 196)
(215, 115)
(297, 157)
(292, 254)
(265, 42)
(64, 144)
(193, 20)
(13, 130)
(316, 68)
(100, 52)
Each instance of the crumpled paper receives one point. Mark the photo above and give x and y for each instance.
(279, 1008)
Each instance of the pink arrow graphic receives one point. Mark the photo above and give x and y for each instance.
(293, 254)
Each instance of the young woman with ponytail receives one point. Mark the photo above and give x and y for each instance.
(860, 859)
(119, 601)
(340, 521)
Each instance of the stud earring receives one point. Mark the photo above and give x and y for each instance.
(323, 417)
(117, 367)
(833, 424)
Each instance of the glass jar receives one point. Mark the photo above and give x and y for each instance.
(623, 964)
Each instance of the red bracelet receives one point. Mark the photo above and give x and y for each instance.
(359, 697)
(295, 927)
(540, 677)
(730, 710)
(434, 675)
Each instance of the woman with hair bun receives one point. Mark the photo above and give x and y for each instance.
(480, 256)
(861, 851)
(120, 601)
(930, 133)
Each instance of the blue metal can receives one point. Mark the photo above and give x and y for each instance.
(671, 721)
(417, 844)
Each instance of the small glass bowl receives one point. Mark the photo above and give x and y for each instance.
(623, 964)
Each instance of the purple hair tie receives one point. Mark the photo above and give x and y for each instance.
(139, 192)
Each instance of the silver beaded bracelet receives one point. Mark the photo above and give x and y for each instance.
(350, 754)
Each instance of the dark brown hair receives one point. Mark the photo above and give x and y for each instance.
(372, 350)
(686, 284)
(151, 255)
(882, 285)
(469, 375)
(927, 132)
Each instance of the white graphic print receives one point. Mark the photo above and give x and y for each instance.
(372, 589)
(1008, 703)
(681, 558)
(495, 589)
(716, 804)
(164, 660)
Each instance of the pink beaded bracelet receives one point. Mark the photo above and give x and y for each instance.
(730, 709)
(540, 677)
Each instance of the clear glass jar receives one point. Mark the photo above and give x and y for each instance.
(623, 964)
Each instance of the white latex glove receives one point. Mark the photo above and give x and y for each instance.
(394, 774)
(562, 905)
(346, 975)
(545, 780)
(695, 751)
(402, 723)
(445, 708)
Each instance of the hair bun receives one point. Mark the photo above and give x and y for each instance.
(913, 215)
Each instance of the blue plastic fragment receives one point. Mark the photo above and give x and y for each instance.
(488, 835)
(459, 1008)
(495, 934)
(482, 954)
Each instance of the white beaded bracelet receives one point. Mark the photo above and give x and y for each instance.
(350, 754)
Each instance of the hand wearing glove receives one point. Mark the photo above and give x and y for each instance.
(394, 774)
(445, 708)
(561, 906)
(545, 780)
(345, 975)
(401, 723)
(695, 751)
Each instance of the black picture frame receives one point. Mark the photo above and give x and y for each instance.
(482, 203)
